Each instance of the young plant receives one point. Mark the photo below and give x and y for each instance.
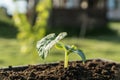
(46, 43)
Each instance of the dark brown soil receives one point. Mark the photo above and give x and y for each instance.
(92, 70)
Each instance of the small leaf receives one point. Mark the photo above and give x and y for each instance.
(73, 49)
(81, 54)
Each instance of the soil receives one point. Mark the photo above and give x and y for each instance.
(95, 69)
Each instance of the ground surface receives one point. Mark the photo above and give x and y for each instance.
(92, 70)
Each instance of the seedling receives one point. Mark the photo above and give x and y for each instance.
(46, 43)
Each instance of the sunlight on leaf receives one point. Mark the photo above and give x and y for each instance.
(45, 44)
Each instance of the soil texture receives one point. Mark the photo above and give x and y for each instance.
(94, 69)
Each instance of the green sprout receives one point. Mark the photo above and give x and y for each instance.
(46, 43)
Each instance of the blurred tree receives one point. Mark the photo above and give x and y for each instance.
(29, 33)
(31, 11)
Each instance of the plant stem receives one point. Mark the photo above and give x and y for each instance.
(66, 59)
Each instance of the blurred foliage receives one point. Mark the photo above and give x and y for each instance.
(6, 25)
(29, 34)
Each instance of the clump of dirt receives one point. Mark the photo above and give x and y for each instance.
(95, 69)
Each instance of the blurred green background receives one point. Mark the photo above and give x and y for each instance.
(105, 46)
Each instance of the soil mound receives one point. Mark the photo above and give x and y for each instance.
(95, 69)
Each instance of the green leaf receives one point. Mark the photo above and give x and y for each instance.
(81, 54)
(73, 49)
